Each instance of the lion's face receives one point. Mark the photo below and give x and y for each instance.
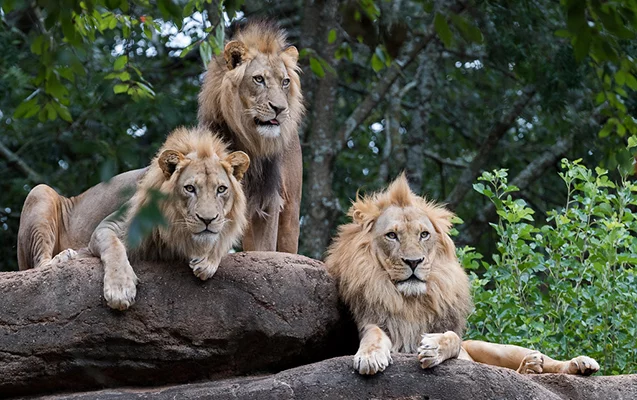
(254, 89)
(202, 191)
(404, 240)
(265, 87)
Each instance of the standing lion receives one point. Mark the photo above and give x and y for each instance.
(397, 271)
(252, 95)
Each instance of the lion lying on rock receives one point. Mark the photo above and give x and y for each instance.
(397, 271)
(203, 203)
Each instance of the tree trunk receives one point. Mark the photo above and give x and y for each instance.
(320, 204)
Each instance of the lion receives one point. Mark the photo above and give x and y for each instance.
(252, 95)
(397, 270)
(203, 204)
(230, 100)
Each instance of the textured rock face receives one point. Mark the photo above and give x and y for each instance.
(335, 379)
(261, 312)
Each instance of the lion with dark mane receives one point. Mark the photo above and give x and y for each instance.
(397, 270)
(252, 95)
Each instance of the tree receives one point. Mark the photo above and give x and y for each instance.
(442, 89)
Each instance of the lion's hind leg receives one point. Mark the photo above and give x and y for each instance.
(526, 361)
(438, 347)
(40, 224)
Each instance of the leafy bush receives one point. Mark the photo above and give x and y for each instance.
(566, 287)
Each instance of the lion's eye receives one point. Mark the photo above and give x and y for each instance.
(391, 235)
(286, 82)
(189, 188)
(258, 78)
(424, 235)
(222, 189)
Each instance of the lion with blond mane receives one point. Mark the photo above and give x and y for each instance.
(203, 204)
(252, 96)
(397, 270)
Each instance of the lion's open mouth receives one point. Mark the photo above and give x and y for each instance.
(271, 122)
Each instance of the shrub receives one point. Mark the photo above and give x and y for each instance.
(565, 287)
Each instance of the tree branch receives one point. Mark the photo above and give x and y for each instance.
(20, 164)
(443, 160)
(377, 93)
(471, 173)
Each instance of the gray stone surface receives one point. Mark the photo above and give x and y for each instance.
(335, 379)
(261, 312)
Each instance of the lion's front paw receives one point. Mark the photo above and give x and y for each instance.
(532, 363)
(373, 360)
(120, 291)
(583, 365)
(429, 353)
(202, 268)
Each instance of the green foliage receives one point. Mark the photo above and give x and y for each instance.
(566, 287)
(599, 30)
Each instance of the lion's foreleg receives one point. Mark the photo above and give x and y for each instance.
(526, 361)
(119, 278)
(374, 352)
(438, 347)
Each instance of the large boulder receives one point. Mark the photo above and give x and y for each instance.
(335, 379)
(261, 312)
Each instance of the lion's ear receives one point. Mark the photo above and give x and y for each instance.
(234, 53)
(168, 161)
(239, 161)
(363, 211)
(292, 52)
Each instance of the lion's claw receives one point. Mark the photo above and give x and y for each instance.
(429, 351)
(120, 291)
(371, 362)
(203, 270)
(583, 365)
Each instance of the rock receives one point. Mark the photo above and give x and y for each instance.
(261, 312)
(335, 379)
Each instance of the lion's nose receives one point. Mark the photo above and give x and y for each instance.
(413, 263)
(277, 109)
(207, 221)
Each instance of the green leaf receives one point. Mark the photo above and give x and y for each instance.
(581, 44)
(377, 63)
(27, 109)
(120, 62)
(469, 32)
(631, 82)
(315, 66)
(331, 37)
(120, 88)
(62, 111)
(39, 45)
(632, 142)
(442, 29)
